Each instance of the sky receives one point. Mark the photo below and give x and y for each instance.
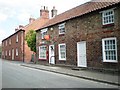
(17, 12)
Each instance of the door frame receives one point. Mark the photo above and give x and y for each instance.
(78, 52)
(50, 54)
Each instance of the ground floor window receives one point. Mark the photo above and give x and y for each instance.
(109, 46)
(62, 51)
(42, 52)
(16, 52)
(9, 52)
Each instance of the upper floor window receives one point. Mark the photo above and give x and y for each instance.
(62, 28)
(17, 38)
(43, 32)
(109, 46)
(9, 41)
(108, 17)
(62, 51)
(6, 42)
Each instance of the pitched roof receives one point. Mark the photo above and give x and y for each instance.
(13, 34)
(80, 10)
(35, 25)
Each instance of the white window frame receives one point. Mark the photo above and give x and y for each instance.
(61, 28)
(60, 58)
(104, 50)
(17, 38)
(108, 17)
(40, 51)
(43, 33)
(17, 52)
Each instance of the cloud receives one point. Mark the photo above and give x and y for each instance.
(2, 35)
(3, 17)
(23, 17)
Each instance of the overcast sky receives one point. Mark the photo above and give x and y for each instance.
(17, 12)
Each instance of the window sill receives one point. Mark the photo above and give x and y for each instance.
(108, 25)
(110, 61)
(62, 59)
(43, 59)
(61, 34)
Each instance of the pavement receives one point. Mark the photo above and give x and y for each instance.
(81, 73)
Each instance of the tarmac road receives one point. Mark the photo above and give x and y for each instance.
(16, 76)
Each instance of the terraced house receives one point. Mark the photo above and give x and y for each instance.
(85, 36)
(15, 47)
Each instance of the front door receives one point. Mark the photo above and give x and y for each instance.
(51, 54)
(12, 54)
(81, 54)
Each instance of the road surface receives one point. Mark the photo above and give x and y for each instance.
(16, 76)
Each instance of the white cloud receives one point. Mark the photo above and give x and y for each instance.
(3, 17)
(2, 35)
(23, 17)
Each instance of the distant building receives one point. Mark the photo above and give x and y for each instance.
(85, 36)
(15, 47)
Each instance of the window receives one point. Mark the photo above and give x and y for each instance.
(42, 52)
(108, 16)
(6, 42)
(9, 41)
(109, 50)
(16, 52)
(6, 53)
(17, 38)
(9, 53)
(62, 28)
(62, 51)
(43, 32)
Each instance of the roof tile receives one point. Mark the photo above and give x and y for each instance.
(80, 10)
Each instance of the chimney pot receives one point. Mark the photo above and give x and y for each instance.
(53, 12)
(31, 20)
(44, 13)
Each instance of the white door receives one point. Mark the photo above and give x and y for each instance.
(51, 54)
(81, 54)
(12, 54)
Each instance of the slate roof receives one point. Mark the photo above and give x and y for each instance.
(85, 8)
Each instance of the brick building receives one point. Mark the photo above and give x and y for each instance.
(85, 36)
(15, 47)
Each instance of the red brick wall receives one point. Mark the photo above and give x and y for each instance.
(87, 28)
(13, 45)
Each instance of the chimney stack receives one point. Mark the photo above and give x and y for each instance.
(53, 12)
(44, 13)
(31, 20)
(21, 27)
(16, 29)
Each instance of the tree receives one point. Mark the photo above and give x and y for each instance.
(31, 40)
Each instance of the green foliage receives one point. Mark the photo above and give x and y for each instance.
(31, 40)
